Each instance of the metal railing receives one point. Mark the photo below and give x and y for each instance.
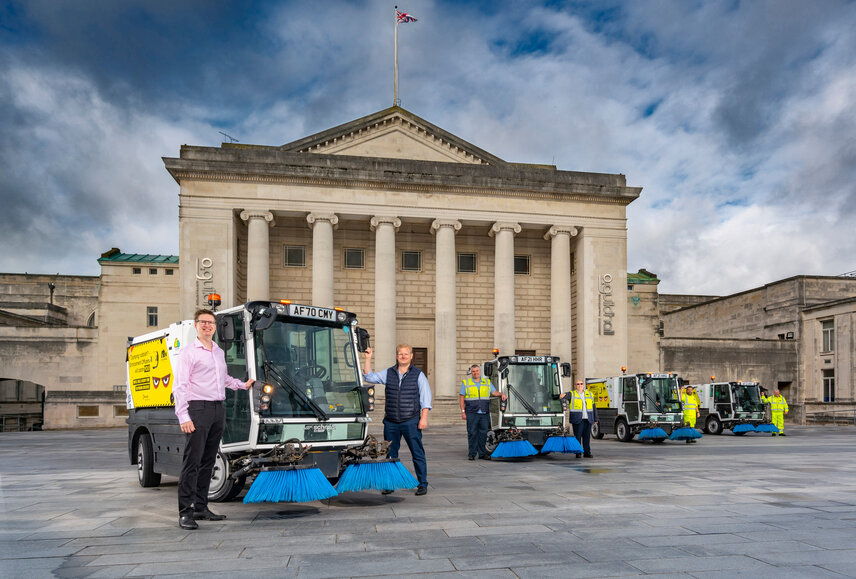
(843, 416)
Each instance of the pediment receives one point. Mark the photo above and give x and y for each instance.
(394, 134)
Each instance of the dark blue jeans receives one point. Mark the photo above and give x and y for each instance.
(582, 432)
(393, 431)
(477, 427)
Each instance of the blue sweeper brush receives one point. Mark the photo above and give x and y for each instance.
(514, 449)
(561, 440)
(289, 484)
(766, 428)
(379, 475)
(741, 428)
(685, 433)
(653, 434)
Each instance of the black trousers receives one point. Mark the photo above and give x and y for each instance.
(200, 451)
(582, 432)
(477, 427)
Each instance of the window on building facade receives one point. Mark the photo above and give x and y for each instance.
(827, 328)
(169, 272)
(120, 410)
(828, 385)
(467, 263)
(152, 315)
(153, 271)
(294, 256)
(355, 258)
(138, 270)
(87, 412)
(411, 261)
(521, 264)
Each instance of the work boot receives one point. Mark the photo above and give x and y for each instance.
(782, 434)
(185, 521)
(420, 490)
(471, 457)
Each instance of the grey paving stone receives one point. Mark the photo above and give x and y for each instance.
(615, 569)
(692, 564)
(378, 563)
(516, 560)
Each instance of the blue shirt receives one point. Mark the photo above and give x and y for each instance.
(424, 387)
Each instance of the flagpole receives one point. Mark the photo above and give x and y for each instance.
(395, 89)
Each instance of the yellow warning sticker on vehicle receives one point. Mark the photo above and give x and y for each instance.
(600, 393)
(150, 374)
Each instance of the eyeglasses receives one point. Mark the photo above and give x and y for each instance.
(205, 322)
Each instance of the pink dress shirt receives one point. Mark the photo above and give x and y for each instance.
(201, 376)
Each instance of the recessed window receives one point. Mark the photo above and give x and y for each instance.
(827, 328)
(119, 411)
(138, 270)
(152, 315)
(467, 263)
(411, 261)
(153, 271)
(828, 385)
(169, 272)
(521, 264)
(87, 412)
(294, 256)
(355, 258)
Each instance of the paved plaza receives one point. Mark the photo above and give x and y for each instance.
(753, 506)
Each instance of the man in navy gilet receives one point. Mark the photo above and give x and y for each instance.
(408, 400)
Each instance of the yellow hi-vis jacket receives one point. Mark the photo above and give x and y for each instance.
(575, 404)
(690, 402)
(777, 403)
(476, 394)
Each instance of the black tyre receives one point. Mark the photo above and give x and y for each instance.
(146, 462)
(223, 488)
(490, 443)
(595, 431)
(622, 431)
(713, 425)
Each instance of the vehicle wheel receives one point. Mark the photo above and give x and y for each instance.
(223, 488)
(146, 462)
(622, 431)
(490, 443)
(713, 425)
(595, 431)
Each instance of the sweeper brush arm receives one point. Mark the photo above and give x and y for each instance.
(289, 452)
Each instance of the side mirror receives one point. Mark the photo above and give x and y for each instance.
(363, 342)
(264, 318)
(226, 329)
(503, 364)
(489, 369)
(566, 370)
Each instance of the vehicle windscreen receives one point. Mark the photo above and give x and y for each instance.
(661, 395)
(537, 384)
(311, 362)
(747, 398)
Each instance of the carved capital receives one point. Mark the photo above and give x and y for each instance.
(454, 224)
(330, 218)
(248, 214)
(505, 226)
(555, 230)
(379, 220)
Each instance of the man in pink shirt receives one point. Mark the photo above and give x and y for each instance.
(199, 393)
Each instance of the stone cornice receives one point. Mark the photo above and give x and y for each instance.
(347, 172)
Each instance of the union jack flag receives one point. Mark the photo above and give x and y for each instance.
(403, 17)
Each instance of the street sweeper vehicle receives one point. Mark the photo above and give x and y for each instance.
(303, 421)
(533, 411)
(736, 406)
(632, 404)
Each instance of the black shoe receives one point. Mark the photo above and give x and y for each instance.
(588, 455)
(186, 522)
(421, 491)
(207, 515)
(471, 457)
(772, 434)
(579, 455)
(484, 457)
(782, 434)
(387, 492)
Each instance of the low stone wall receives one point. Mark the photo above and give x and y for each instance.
(84, 409)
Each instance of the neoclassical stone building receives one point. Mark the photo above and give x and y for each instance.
(431, 240)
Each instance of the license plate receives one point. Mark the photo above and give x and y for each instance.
(312, 312)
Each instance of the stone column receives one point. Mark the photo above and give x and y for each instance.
(560, 290)
(322, 225)
(445, 308)
(384, 322)
(503, 304)
(258, 253)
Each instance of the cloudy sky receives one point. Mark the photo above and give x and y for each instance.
(738, 118)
